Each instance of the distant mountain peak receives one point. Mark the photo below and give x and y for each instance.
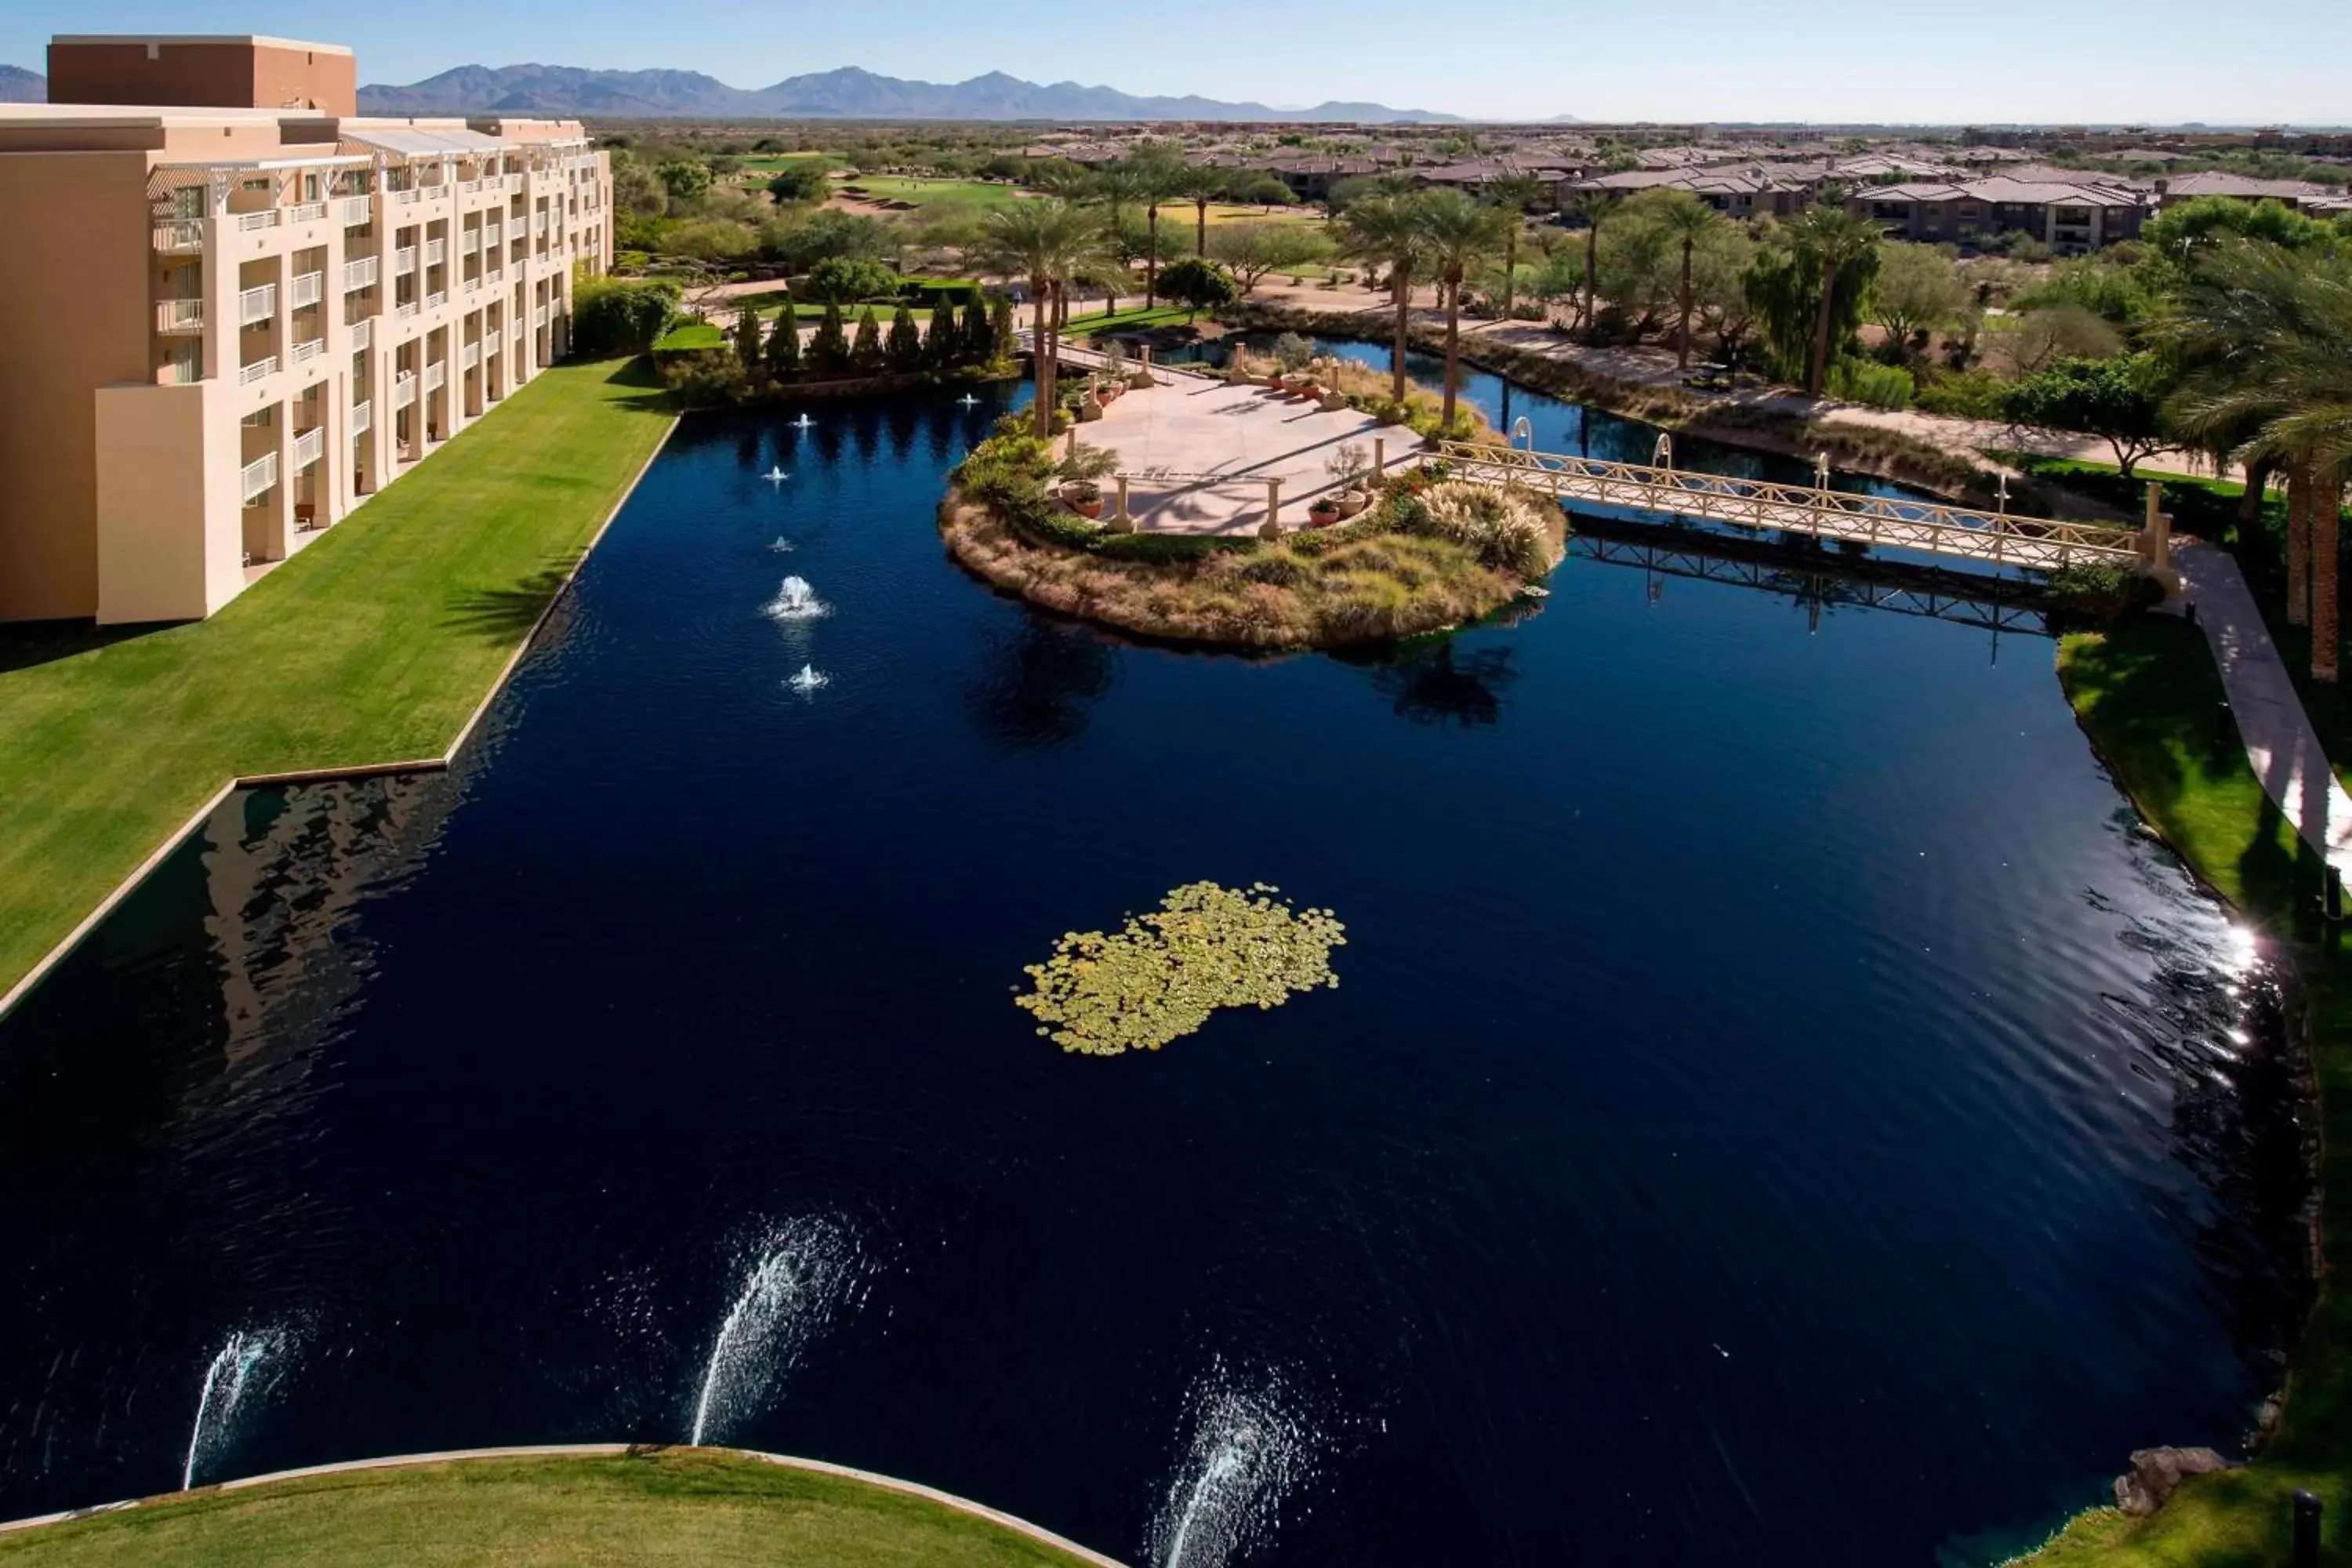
(18, 85)
(845, 92)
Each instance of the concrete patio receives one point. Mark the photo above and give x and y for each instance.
(1198, 452)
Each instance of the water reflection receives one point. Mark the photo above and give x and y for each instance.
(1447, 685)
(1040, 679)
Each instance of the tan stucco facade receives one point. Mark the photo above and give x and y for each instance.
(234, 326)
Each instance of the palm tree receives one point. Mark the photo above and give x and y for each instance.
(1156, 175)
(1513, 194)
(1592, 206)
(1837, 240)
(1199, 185)
(1460, 234)
(2266, 336)
(1688, 220)
(1386, 231)
(1044, 241)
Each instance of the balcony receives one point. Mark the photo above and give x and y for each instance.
(436, 251)
(407, 197)
(437, 376)
(307, 212)
(469, 357)
(357, 210)
(266, 365)
(180, 238)
(362, 334)
(469, 242)
(308, 289)
(360, 272)
(363, 416)
(179, 315)
(539, 316)
(257, 476)
(308, 448)
(438, 298)
(308, 348)
(493, 340)
(247, 223)
(255, 306)
(403, 390)
(495, 276)
(405, 309)
(470, 187)
(404, 259)
(493, 235)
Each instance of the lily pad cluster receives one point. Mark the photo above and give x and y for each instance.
(1161, 975)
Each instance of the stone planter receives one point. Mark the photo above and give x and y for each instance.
(1324, 513)
(1335, 403)
(1351, 502)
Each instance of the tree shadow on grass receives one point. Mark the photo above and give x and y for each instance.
(650, 395)
(28, 644)
(504, 615)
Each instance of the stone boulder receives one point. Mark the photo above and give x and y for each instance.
(2156, 1472)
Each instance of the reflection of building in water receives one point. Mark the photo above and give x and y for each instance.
(284, 867)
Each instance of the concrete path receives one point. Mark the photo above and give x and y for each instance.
(2281, 743)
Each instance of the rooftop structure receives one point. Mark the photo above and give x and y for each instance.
(234, 322)
(2070, 218)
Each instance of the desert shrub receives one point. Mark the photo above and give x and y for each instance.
(2102, 590)
(1963, 394)
(1504, 529)
(1866, 381)
(611, 317)
(1279, 568)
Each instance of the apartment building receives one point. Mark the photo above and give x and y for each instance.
(2071, 218)
(226, 325)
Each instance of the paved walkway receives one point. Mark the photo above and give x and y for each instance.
(2281, 743)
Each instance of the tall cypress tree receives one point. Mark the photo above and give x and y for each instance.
(943, 344)
(865, 348)
(905, 350)
(979, 337)
(784, 347)
(828, 352)
(747, 342)
(1001, 334)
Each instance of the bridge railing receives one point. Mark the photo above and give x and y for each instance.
(1935, 526)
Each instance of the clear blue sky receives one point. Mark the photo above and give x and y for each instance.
(1917, 61)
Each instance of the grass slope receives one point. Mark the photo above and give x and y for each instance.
(2151, 701)
(660, 1507)
(374, 643)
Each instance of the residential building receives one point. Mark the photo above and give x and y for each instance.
(1746, 193)
(2070, 219)
(227, 326)
(2297, 194)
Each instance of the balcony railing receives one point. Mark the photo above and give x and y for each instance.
(470, 187)
(363, 416)
(308, 289)
(266, 365)
(407, 197)
(360, 272)
(358, 210)
(436, 252)
(307, 212)
(265, 219)
(495, 275)
(255, 306)
(180, 236)
(493, 234)
(257, 476)
(179, 315)
(403, 390)
(437, 298)
(310, 349)
(309, 447)
(469, 242)
(539, 316)
(437, 376)
(469, 356)
(404, 259)
(363, 334)
(405, 309)
(493, 340)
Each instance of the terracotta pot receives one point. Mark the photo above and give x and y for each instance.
(1089, 509)
(1323, 513)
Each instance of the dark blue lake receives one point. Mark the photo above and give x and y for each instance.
(1779, 1108)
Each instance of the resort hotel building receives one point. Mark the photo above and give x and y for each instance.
(232, 309)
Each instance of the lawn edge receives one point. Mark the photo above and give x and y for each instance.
(32, 977)
(1036, 1532)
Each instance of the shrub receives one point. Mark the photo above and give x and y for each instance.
(1506, 529)
(1963, 394)
(1293, 352)
(844, 280)
(2103, 590)
(611, 317)
(1863, 381)
(904, 352)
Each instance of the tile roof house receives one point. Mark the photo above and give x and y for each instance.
(2188, 187)
(2070, 218)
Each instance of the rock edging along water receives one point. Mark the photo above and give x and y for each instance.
(1036, 1532)
(48, 960)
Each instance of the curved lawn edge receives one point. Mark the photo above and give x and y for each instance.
(2147, 694)
(158, 1508)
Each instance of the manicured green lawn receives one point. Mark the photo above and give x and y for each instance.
(373, 644)
(931, 193)
(682, 1507)
(2148, 696)
(1158, 316)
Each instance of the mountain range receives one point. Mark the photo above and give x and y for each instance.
(18, 85)
(845, 94)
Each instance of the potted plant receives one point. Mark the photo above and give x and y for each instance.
(1293, 354)
(1325, 511)
(1083, 470)
(1348, 467)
